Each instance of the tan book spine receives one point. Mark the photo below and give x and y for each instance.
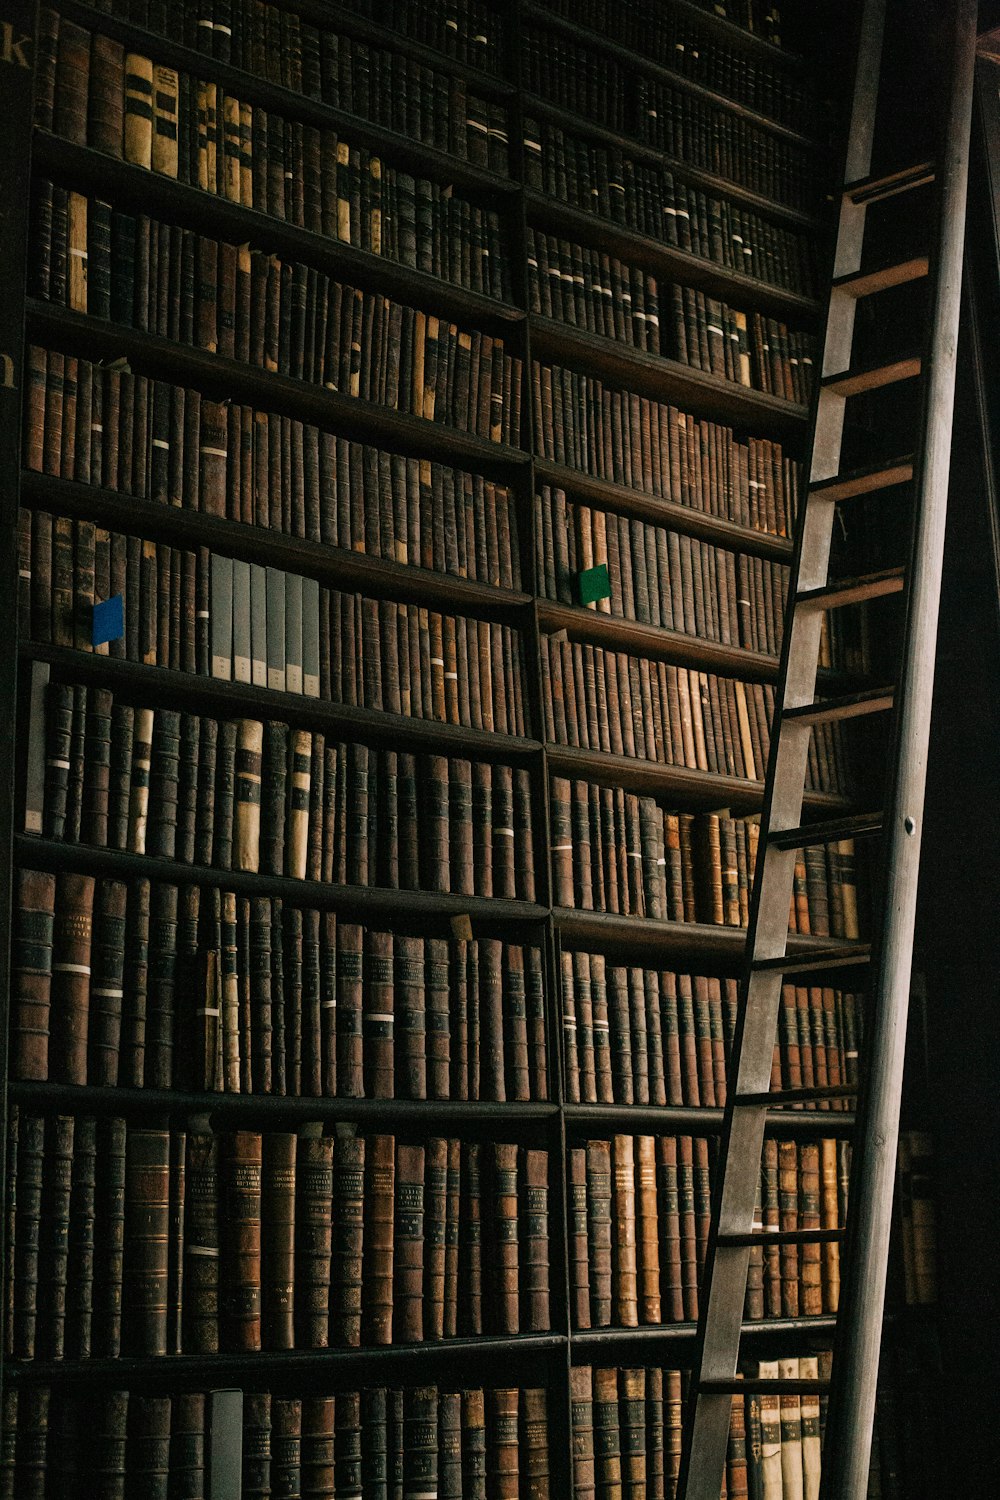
(229, 1000)
(830, 1219)
(246, 795)
(790, 1423)
(623, 1217)
(138, 810)
(811, 1458)
(165, 119)
(770, 1435)
(300, 779)
(648, 1242)
(76, 213)
(139, 110)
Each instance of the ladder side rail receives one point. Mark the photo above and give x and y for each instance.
(859, 1329)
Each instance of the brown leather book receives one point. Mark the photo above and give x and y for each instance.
(444, 1055)
(240, 1282)
(502, 1453)
(53, 1235)
(286, 1445)
(607, 1434)
(435, 1225)
(71, 970)
(491, 1001)
(348, 1208)
(201, 1248)
(470, 1246)
(623, 1206)
(322, 1418)
(380, 1199)
(413, 1038)
(408, 1267)
(31, 980)
(581, 1387)
(313, 1237)
(278, 1240)
(147, 1224)
(809, 1217)
(349, 1010)
(647, 1242)
(534, 1236)
(452, 1230)
(579, 1259)
(503, 1262)
(600, 1231)
(378, 1018)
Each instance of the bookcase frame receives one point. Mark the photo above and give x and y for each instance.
(546, 1358)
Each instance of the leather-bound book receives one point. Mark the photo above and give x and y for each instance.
(452, 1223)
(408, 1267)
(534, 1235)
(313, 1237)
(71, 977)
(600, 1231)
(810, 1255)
(668, 1209)
(149, 1445)
(607, 1434)
(655, 1464)
(502, 1452)
(142, 751)
(420, 1441)
(736, 1454)
(234, 1056)
(278, 1240)
(107, 982)
(147, 1223)
(247, 795)
(378, 1018)
(788, 1218)
(201, 1242)
(411, 1009)
(346, 1280)
(380, 1198)
(175, 1244)
(503, 1263)
(474, 1444)
(581, 1395)
(187, 1445)
(58, 740)
(579, 1259)
(81, 1220)
(625, 1281)
(515, 1023)
(138, 110)
(10, 1227)
(482, 828)
(53, 1237)
(491, 1002)
(462, 853)
(435, 1229)
(441, 1048)
(771, 1221)
(300, 774)
(375, 1450)
(273, 797)
(633, 1433)
(686, 1211)
(450, 1446)
(97, 768)
(647, 1241)
(470, 1245)
(257, 1445)
(240, 1282)
(349, 1011)
(161, 997)
(109, 1442)
(31, 980)
(30, 1159)
(535, 1464)
(286, 1445)
(73, 80)
(322, 1417)
(433, 826)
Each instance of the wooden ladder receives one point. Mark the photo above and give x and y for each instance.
(884, 967)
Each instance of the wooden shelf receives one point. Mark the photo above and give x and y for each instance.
(674, 646)
(92, 171)
(595, 1343)
(694, 790)
(337, 1367)
(689, 1119)
(270, 1109)
(698, 947)
(538, 108)
(638, 62)
(683, 266)
(214, 695)
(422, 160)
(223, 378)
(668, 380)
(367, 901)
(338, 567)
(669, 513)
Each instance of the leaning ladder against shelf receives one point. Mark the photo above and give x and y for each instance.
(812, 591)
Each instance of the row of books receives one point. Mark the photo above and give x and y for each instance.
(104, 425)
(195, 132)
(78, 79)
(638, 1228)
(661, 577)
(917, 1195)
(631, 440)
(616, 851)
(159, 986)
(594, 85)
(651, 201)
(675, 40)
(290, 318)
(376, 1443)
(589, 289)
(643, 1036)
(628, 1423)
(598, 699)
(264, 797)
(246, 1241)
(234, 620)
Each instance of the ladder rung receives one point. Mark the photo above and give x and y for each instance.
(858, 825)
(866, 480)
(764, 1387)
(781, 1237)
(846, 591)
(826, 961)
(873, 377)
(775, 1098)
(835, 710)
(887, 184)
(869, 283)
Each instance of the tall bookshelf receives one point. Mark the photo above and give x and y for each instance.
(514, 70)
